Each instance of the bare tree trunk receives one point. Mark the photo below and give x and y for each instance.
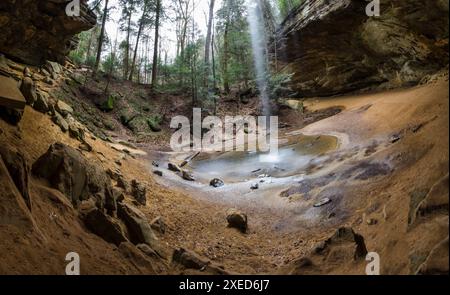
(100, 39)
(208, 41)
(141, 26)
(127, 49)
(156, 47)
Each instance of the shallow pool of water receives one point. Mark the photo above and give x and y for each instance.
(291, 160)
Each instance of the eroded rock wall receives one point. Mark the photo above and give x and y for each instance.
(33, 31)
(333, 47)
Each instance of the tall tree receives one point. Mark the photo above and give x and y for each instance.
(143, 20)
(208, 41)
(101, 38)
(156, 47)
(128, 9)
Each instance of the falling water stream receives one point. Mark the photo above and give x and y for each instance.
(259, 45)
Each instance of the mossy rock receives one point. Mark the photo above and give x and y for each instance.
(108, 105)
(154, 124)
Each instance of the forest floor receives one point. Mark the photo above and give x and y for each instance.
(391, 160)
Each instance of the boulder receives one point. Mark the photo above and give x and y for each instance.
(18, 169)
(187, 176)
(173, 167)
(68, 171)
(41, 103)
(28, 89)
(139, 192)
(237, 219)
(104, 226)
(216, 182)
(139, 229)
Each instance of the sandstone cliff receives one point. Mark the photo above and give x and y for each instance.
(34, 31)
(333, 47)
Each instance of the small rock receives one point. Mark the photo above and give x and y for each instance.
(188, 176)
(189, 259)
(63, 108)
(158, 225)
(122, 183)
(139, 192)
(59, 120)
(322, 202)
(372, 221)
(216, 182)
(174, 167)
(28, 90)
(104, 226)
(147, 250)
(395, 138)
(254, 186)
(157, 172)
(156, 164)
(114, 174)
(85, 147)
(76, 132)
(237, 219)
(41, 103)
(27, 72)
(118, 162)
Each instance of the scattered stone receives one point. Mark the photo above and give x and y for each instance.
(189, 259)
(139, 229)
(139, 192)
(174, 167)
(61, 122)
(27, 72)
(216, 182)
(372, 221)
(342, 237)
(237, 219)
(322, 202)
(395, 138)
(104, 226)
(147, 250)
(122, 183)
(114, 174)
(41, 103)
(84, 146)
(158, 225)
(158, 172)
(76, 132)
(28, 89)
(63, 108)
(188, 176)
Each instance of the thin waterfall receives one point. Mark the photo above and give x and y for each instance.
(255, 20)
